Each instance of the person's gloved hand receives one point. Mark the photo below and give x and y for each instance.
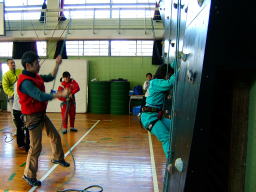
(64, 93)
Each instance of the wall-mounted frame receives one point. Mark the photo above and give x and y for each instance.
(2, 22)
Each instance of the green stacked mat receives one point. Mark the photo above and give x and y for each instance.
(119, 97)
(99, 97)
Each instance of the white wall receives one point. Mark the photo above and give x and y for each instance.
(79, 71)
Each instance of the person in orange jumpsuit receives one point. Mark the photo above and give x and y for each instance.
(68, 105)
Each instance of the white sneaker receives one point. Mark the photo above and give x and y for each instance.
(73, 129)
(64, 131)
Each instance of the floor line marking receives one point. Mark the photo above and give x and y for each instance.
(153, 164)
(66, 154)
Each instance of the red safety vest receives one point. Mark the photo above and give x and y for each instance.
(28, 104)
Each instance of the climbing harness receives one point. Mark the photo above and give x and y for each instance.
(152, 110)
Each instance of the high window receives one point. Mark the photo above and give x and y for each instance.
(87, 48)
(110, 48)
(22, 9)
(109, 8)
(7, 47)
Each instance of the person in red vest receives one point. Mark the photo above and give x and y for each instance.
(33, 100)
(68, 105)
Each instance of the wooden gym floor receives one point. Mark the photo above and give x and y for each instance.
(112, 151)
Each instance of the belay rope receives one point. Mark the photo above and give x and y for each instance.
(94, 188)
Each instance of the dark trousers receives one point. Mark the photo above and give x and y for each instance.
(22, 134)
